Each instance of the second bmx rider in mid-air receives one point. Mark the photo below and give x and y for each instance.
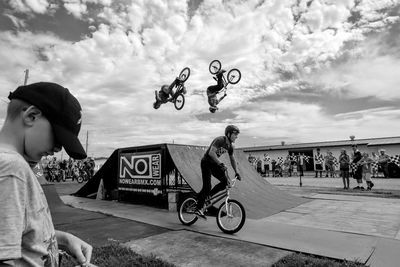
(211, 165)
(213, 90)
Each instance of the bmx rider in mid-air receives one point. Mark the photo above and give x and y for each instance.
(167, 91)
(213, 90)
(211, 165)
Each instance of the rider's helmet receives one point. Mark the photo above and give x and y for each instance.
(165, 89)
(231, 129)
(213, 109)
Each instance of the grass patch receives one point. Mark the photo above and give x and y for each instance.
(117, 255)
(302, 260)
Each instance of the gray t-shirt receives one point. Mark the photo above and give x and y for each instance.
(27, 234)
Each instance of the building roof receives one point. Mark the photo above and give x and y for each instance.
(368, 142)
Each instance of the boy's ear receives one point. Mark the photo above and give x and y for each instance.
(30, 114)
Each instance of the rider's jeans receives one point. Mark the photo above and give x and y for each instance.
(208, 169)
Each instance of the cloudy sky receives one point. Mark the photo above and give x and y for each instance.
(314, 70)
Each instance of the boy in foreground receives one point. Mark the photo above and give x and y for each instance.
(41, 119)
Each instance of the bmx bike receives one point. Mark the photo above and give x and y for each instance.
(178, 97)
(233, 76)
(231, 214)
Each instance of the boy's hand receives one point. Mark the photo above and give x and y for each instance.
(76, 247)
(237, 175)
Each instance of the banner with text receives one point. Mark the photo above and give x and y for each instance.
(140, 173)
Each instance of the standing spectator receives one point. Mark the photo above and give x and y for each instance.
(286, 166)
(344, 165)
(329, 161)
(318, 159)
(258, 165)
(375, 164)
(366, 170)
(358, 172)
(293, 162)
(301, 162)
(266, 162)
(251, 159)
(63, 169)
(273, 167)
(384, 162)
(52, 168)
(92, 165)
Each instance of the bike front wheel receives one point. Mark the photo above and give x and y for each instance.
(184, 75)
(214, 66)
(186, 211)
(234, 76)
(179, 101)
(231, 217)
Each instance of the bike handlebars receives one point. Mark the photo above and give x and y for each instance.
(231, 182)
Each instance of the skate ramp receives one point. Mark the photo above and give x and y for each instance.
(63, 214)
(260, 198)
(108, 173)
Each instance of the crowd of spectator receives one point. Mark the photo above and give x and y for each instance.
(291, 165)
(360, 166)
(60, 170)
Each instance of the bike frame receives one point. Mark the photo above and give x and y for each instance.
(221, 195)
(179, 89)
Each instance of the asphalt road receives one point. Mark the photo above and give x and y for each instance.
(96, 228)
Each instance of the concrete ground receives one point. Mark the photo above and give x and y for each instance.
(181, 247)
(337, 223)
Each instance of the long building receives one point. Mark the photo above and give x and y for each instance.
(391, 145)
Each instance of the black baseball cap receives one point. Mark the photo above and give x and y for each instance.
(62, 110)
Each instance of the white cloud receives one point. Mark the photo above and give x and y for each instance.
(136, 47)
(76, 8)
(18, 23)
(27, 6)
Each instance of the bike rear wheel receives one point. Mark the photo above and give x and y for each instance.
(184, 75)
(179, 101)
(234, 76)
(214, 66)
(186, 211)
(231, 217)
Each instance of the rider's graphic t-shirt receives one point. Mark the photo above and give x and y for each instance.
(27, 234)
(222, 144)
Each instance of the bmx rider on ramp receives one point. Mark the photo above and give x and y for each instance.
(211, 165)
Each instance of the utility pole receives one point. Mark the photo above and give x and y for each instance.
(87, 140)
(26, 76)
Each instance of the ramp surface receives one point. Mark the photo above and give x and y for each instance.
(63, 214)
(260, 198)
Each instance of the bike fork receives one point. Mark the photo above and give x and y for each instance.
(228, 207)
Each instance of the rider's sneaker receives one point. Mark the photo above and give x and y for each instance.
(221, 71)
(200, 213)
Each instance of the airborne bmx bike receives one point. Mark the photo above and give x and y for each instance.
(178, 97)
(231, 214)
(233, 76)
